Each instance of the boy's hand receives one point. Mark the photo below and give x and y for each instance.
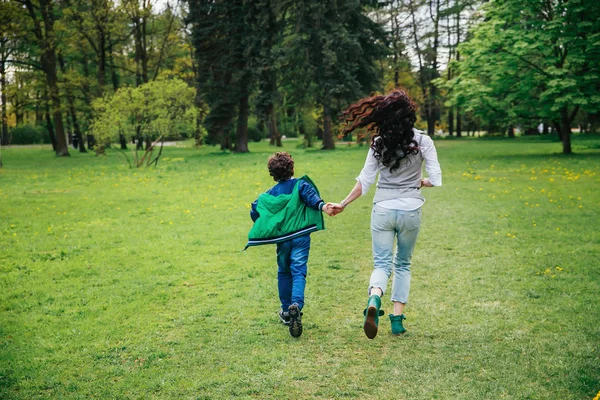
(333, 209)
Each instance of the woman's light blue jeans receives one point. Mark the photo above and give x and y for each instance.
(389, 227)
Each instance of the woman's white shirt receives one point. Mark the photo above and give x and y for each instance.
(368, 175)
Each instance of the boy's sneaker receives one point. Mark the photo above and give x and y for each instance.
(284, 317)
(295, 320)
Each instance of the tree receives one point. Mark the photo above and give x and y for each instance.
(98, 23)
(43, 16)
(8, 46)
(269, 20)
(336, 46)
(211, 31)
(152, 110)
(532, 60)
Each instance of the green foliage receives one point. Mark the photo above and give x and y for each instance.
(119, 283)
(29, 134)
(255, 134)
(333, 48)
(149, 112)
(529, 61)
(217, 36)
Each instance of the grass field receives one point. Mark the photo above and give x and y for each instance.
(120, 283)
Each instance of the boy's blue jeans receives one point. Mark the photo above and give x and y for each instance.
(389, 227)
(292, 259)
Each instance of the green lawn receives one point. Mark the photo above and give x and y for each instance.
(131, 283)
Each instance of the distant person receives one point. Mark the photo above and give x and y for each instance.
(286, 215)
(397, 153)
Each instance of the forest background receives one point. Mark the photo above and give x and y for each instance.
(137, 72)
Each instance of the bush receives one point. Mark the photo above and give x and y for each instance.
(254, 132)
(29, 134)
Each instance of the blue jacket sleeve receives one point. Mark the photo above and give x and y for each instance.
(309, 195)
(253, 213)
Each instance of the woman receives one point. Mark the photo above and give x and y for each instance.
(397, 152)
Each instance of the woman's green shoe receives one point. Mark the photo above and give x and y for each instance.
(397, 327)
(372, 314)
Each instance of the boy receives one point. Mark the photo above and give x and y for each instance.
(286, 215)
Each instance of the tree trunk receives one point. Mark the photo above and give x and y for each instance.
(139, 142)
(511, 131)
(101, 63)
(328, 143)
(140, 40)
(114, 75)
(241, 135)
(225, 139)
(72, 110)
(50, 128)
(450, 121)
(122, 141)
(78, 133)
(565, 130)
(272, 125)
(48, 61)
(395, 29)
(430, 118)
(4, 132)
(199, 105)
(432, 100)
(308, 136)
(141, 54)
(61, 142)
(39, 110)
(69, 129)
(145, 50)
(458, 122)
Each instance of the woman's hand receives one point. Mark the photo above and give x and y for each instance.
(425, 182)
(333, 209)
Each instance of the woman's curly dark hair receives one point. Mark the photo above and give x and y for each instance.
(281, 166)
(392, 118)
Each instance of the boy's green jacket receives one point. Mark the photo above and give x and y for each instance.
(284, 217)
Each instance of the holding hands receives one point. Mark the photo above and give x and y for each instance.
(333, 209)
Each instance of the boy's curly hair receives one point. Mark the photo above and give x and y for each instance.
(281, 166)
